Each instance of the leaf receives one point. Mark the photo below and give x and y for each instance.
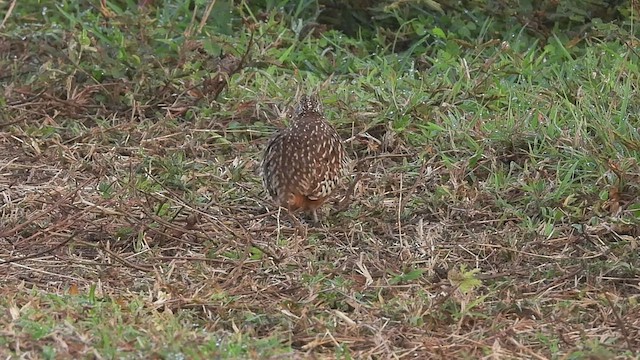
(73, 289)
(464, 280)
(256, 254)
(635, 210)
(407, 277)
(439, 33)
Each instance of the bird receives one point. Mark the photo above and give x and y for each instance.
(303, 163)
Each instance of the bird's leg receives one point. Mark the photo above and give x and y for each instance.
(314, 213)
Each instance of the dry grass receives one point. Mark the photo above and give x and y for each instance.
(133, 204)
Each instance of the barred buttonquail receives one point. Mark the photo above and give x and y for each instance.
(303, 163)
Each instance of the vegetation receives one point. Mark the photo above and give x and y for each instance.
(493, 210)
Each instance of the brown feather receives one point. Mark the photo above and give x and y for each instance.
(303, 164)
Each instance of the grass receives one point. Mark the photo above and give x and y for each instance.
(495, 213)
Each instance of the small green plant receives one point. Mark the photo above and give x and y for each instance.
(407, 277)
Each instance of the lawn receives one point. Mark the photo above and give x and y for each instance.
(493, 209)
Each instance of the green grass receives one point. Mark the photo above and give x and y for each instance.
(65, 325)
(496, 211)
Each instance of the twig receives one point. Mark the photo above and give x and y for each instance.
(408, 195)
(342, 205)
(205, 17)
(38, 254)
(6, 16)
(5, 234)
(347, 199)
(189, 258)
(126, 262)
(245, 233)
(623, 328)
(399, 216)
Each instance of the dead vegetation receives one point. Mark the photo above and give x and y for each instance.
(140, 203)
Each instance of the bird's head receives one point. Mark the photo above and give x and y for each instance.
(309, 104)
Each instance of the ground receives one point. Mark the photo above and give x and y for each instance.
(492, 210)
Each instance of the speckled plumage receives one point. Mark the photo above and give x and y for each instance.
(302, 164)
